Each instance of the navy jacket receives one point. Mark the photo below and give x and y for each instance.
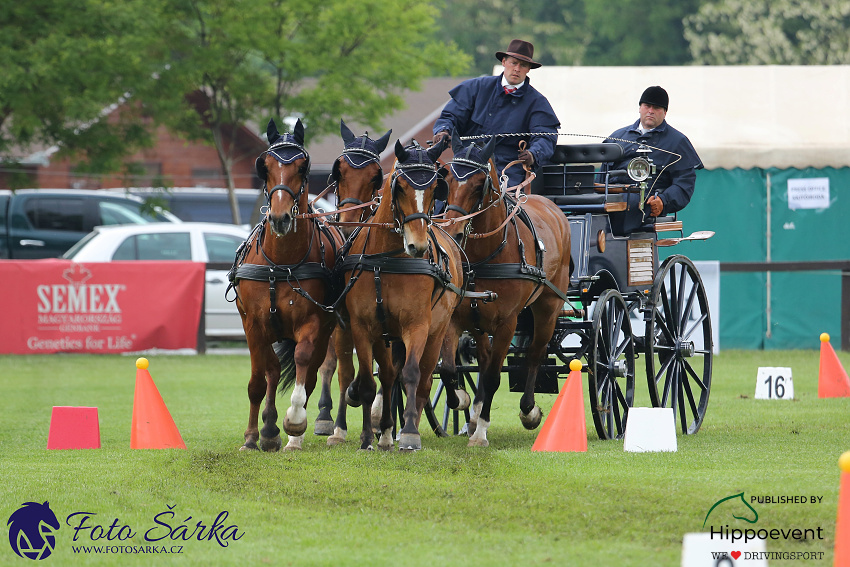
(674, 185)
(480, 106)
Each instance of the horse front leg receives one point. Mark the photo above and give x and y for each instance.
(545, 317)
(256, 392)
(490, 380)
(270, 433)
(344, 348)
(409, 438)
(308, 356)
(381, 415)
(324, 424)
(456, 398)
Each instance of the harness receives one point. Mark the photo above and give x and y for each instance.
(285, 151)
(464, 166)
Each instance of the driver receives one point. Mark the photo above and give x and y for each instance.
(672, 187)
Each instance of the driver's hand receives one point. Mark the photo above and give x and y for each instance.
(439, 137)
(527, 158)
(656, 205)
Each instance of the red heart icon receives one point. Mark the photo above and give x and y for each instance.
(735, 554)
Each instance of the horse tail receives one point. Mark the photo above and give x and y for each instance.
(285, 351)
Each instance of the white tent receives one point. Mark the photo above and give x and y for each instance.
(735, 116)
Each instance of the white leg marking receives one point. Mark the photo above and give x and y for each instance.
(294, 443)
(386, 441)
(377, 410)
(479, 438)
(296, 414)
(340, 433)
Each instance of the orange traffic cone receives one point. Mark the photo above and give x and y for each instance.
(832, 378)
(565, 429)
(842, 522)
(73, 428)
(153, 427)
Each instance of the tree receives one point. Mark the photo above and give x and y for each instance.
(628, 32)
(320, 61)
(770, 32)
(64, 62)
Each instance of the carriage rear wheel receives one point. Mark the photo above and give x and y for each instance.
(679, 343)
(611, 366)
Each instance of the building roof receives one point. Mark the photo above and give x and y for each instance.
(735, 116)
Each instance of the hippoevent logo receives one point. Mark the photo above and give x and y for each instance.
(739, 507)
(33, 527)
(31, 530)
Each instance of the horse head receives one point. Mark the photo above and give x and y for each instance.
(285, 167)
(414, 186)
(471, 178)
(357, 174)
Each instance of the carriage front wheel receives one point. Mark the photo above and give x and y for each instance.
(611, 366)
(679, 344)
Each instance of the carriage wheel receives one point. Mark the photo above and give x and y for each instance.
(611, 366)
(679, 343)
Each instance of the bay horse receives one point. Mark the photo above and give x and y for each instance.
(282, 277)
(357, 176)
(403, 280)
(520, 251)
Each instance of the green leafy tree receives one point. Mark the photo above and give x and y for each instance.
(770, 32)
(630, 32)
(63, 63)
(319, 61)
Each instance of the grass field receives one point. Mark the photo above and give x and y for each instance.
(444, 505)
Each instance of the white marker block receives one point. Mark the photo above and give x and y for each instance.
(650, 430)
(774, 383)
(700, 550)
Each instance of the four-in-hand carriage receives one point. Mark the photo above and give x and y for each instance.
(624, 310)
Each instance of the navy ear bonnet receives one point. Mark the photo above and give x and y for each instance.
(285, 148)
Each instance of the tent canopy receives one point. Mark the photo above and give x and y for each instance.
(735, 116)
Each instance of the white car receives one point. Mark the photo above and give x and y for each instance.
(195, 241)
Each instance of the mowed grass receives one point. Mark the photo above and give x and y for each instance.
(446, 504)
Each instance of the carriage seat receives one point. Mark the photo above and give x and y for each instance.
(570, 180)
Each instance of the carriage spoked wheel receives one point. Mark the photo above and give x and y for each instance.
(679, 344)
(611, 365)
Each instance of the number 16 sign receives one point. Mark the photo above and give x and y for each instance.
(774, 383)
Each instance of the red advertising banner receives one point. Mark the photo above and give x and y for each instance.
(111, 307)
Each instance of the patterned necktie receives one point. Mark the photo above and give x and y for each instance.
(509, 90)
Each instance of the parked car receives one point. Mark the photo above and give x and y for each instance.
(195, 241)
(212, 204)
(44, 223)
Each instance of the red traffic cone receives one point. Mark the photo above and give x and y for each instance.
(832, 378)
(153, 427)
(565, 429)
(842, 522)
(73, 428)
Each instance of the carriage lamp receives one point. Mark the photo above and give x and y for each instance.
(640, 168)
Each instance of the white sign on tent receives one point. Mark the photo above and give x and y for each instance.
(811, 193)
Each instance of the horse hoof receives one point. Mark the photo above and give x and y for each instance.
(294, 430)
(335, 440)
(409, 442)
(464, 400)
(252, 446)
(475, 442)
(291, 448)
(272, 445)
(366, 448)
(323, 427)
(532, 419)
(352, 398)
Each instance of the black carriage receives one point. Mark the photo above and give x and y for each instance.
(623, 305)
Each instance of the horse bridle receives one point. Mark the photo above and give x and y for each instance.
(475, 167)
(370, 157)
(275, 152)
(404, 170)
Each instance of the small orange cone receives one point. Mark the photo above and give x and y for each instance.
(842, 522)
(565, 429)
(153, 427)
(73, 428)
(832, 378)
